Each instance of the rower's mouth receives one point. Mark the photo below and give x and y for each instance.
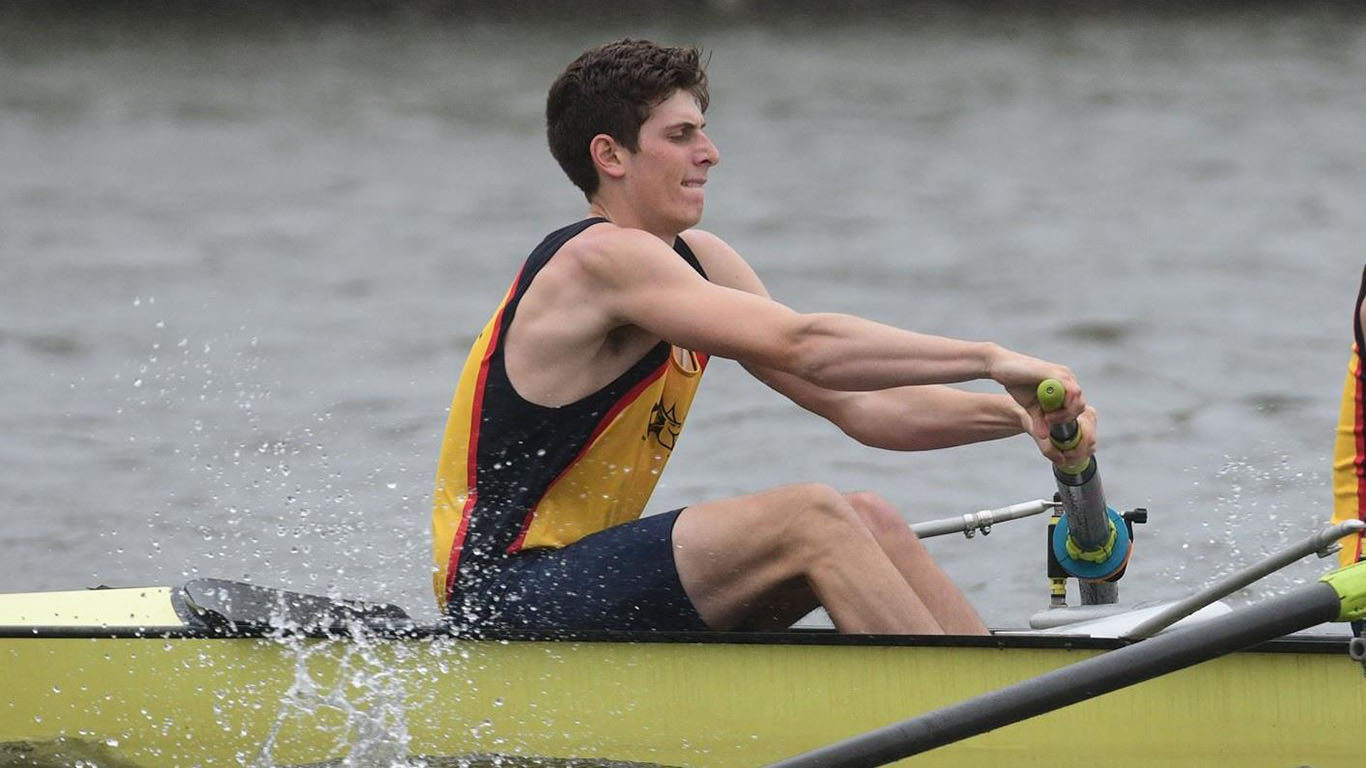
(694, 183)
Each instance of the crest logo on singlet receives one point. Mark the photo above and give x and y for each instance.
(664, 425)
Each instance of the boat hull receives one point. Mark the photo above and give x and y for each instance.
(206, 675)
(218, 701)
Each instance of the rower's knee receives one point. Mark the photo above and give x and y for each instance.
(827, 517)
(877, 513)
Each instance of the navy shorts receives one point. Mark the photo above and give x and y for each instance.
(621, 578)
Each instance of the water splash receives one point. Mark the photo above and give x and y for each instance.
(352, 676)
(255, 484)
(1255, 507)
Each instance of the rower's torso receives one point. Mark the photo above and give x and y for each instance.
(516, 474)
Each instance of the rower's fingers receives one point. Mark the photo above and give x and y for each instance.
(1051, 452)
(1086, 447)
(1038, 423)
(1073, 404)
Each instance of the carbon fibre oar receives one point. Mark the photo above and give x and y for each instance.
(1091, 541)
(1338, 596)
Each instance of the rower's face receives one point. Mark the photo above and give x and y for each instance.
(669, 169)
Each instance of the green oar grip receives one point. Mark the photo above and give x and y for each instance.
(1065, 437)
(1350, 585)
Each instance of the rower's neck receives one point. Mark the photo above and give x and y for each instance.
(624, 215)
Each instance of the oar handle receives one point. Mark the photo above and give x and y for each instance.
(1064, 436)
(1091, 541)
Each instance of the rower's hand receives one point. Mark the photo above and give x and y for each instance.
(1020, 375)
(1079, 453)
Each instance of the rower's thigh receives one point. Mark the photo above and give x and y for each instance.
(733, 553)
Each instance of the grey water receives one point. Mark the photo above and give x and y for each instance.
(242, 259)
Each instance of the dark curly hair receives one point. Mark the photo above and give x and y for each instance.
(611, 89)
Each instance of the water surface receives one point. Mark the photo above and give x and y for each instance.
(243, 260)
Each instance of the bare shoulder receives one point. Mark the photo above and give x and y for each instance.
(710, 247)
(722, 263)
(607, 237)
(603, 251)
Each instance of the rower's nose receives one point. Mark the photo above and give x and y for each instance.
(710, 154)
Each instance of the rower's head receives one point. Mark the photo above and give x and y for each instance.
(630, 113)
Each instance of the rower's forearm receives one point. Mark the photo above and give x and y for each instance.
(929, 417)
(850, 354)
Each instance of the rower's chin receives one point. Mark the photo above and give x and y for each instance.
(694, 200)
(690, 220)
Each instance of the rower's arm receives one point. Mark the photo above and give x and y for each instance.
(902, 418)
(906, 418)
(640, 281)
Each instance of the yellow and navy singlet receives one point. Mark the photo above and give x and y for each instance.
(1349, 449)
(516, 476)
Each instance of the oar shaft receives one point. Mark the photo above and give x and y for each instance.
(1305, 607)
(1235, 581)
(1083, 498)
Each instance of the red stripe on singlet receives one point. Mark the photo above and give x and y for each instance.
(626, 399)
(1359, 431)
(472, 455)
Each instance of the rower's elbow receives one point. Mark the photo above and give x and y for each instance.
(863, 416)
(806, 351)
(856, 418)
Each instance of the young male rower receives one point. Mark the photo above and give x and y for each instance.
(575, 392)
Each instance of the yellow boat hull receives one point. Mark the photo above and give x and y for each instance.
(71, 692)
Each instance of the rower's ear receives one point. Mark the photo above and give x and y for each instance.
(608, 156)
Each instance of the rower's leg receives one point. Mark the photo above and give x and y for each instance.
(945, 601)
(788, 602)
(781, 607)
(734, 553)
